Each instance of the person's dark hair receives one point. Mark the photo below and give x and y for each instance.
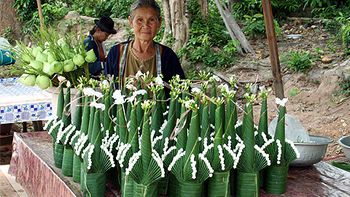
(145, 3)
(93, 30)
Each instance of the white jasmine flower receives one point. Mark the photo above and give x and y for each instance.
(159, 81)
(118, 97)
(61, 78)
(196, 90)
(281, 102)
(97, 105)
(88, 91)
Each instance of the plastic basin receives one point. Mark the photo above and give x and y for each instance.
(345, 144)
(311, 152)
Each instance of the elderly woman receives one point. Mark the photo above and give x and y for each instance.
(143, 53)
(103, 28)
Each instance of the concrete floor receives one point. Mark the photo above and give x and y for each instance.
(8, 185)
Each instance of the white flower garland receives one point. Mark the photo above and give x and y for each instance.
(207, 163)
(193, 166)
(178, 155)
(159, 162)
(80, 143)
(294, 148)
(132, 161)
(221, 157)
(70, 132)
(279, 151)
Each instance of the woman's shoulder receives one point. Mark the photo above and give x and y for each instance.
(117, 46)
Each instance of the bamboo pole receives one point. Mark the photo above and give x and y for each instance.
(41, 17)
(272, 43)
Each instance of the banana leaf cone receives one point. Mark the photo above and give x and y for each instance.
(95, 184)
(233, 177)
(173, 189)
(193, 189)
(76, 168)
(84, 127)
(262, 129)
(247, 184)
(219, 185)
(141, 190)
(77, 120)
(163, 185)
(58, 152)
(251, 162)
(60, 103)
(276, 179)
(106, 119)
(58, 155)
(127, 185)
(67, 164)
(91, 123)
(68, 153)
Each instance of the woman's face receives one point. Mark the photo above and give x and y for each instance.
(100, 35)
(145, 23)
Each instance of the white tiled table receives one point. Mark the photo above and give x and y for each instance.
(19, 103)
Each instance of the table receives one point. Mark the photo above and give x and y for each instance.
(19, 103)
(32, 164)
(41, 178)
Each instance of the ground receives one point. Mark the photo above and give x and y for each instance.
(313, 96)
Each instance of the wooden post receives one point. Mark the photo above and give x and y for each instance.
(272, 43)
(41, 17)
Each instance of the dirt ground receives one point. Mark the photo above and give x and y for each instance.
(314, 97)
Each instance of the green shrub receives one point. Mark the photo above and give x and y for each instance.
(254, 26)
(299, 61)
(345, 35)
(345, 87)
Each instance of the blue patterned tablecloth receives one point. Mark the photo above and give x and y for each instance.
(19, 103)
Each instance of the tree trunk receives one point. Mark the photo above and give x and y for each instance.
(204, 8)
(233, 29)
(179, 23)
(167, 21)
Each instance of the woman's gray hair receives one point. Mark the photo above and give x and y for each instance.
(145, 3)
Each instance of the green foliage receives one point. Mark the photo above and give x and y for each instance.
(8, 34)
(345, 87)
(299, 61)
(254, 26)
(52, 11)
(121, 8)
(345, 36)
(280, 7)
(317, 3)
(293, 91)
(209, 42)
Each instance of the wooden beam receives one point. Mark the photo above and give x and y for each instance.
(273, 49)
(40, 12)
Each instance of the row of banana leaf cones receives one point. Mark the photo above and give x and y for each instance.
(186, 141)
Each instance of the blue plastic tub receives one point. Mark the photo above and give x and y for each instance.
(6, 57)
